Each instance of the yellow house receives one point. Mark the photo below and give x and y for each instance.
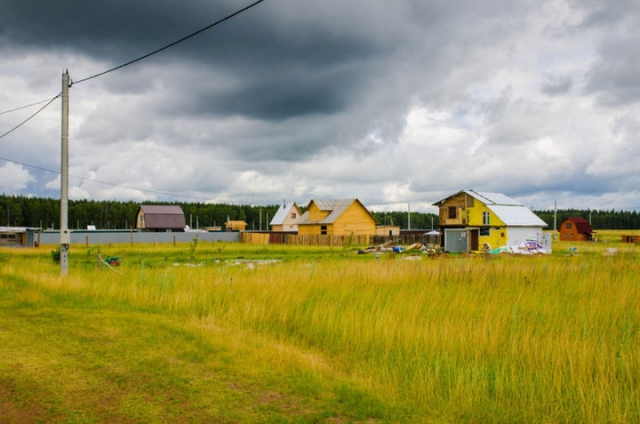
(342, 217)
(471, 220)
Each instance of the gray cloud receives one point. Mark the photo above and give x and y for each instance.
(388, 102)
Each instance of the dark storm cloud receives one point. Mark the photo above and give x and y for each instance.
(321, 96)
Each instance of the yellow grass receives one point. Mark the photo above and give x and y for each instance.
(451, 338)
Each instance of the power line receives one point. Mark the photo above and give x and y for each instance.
(26, 106)
(193, 34)
(26, 120)
(102, 182)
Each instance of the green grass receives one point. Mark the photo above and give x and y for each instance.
(238, 333)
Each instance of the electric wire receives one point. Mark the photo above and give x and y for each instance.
(71, 82)
(29, 118)
(193, 34)
(102, 182)
(26, 106)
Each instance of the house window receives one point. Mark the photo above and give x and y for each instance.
(293, 215)
(452, 212)
(486, 218)
(568, 225)
(323, 229)
(485, 231)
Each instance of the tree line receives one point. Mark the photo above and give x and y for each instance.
(21, 211)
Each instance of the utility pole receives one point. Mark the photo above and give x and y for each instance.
(409, 215)
(65, 237)
(555, 219)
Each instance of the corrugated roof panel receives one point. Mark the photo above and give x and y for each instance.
(493, 198)
(281, 214)
(516, 216)
(339, 206)
(162, 209)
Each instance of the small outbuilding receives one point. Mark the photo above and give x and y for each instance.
(576, 229)
(160, 218)
(19, 236)
(235, 225)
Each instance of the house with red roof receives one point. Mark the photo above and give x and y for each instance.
(575, 229)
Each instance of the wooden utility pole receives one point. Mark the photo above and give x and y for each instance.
(65, 237)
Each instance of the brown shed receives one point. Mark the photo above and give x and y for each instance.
(575, 229)
(156, 218)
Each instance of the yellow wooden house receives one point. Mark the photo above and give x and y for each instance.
(341, 217)
(471, 220)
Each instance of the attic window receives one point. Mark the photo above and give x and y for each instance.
(452, 212)
(485, 218)
(568, 225)
(293, 215)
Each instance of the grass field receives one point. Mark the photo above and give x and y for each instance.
(234, 333)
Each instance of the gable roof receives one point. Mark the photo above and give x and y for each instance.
(163, 216)
(335, 209)
(510, 211)
(582, 225)
(283, 213)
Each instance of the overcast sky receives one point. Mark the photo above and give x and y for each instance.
(393, 102)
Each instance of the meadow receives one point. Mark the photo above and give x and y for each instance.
(234, 333)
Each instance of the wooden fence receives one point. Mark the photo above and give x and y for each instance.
(303, 240)
(405, 238)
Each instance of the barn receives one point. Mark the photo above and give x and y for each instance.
(160, 218)
(575, 229)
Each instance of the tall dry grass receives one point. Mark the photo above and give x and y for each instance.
(500, 339)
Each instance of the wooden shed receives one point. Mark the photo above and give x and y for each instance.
(575, 229)
(235, 225)
(342, 217)
(160, 218)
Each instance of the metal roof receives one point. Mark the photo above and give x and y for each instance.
(582, 225)
(335, 207)
(283, 212)
(163, 216)
(485, 197)
(493, 198)
(516, 216)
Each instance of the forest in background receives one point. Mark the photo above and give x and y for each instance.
(21, 211)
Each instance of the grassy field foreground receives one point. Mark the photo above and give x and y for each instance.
(235, 333)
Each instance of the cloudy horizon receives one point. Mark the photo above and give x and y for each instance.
(396, 104)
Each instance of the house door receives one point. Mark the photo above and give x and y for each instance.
(474, 236)
(456, 241)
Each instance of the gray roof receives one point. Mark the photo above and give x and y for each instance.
(163, 216)
(282, 213)
(336, 208)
